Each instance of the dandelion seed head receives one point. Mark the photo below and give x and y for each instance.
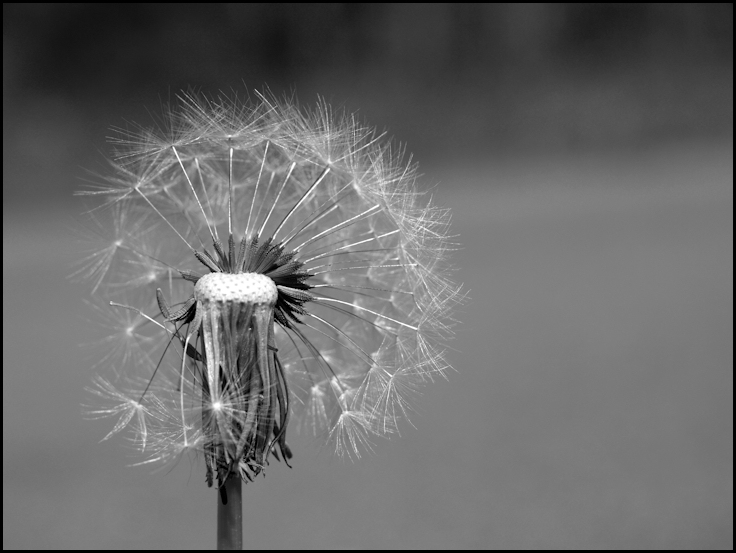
(268, 264)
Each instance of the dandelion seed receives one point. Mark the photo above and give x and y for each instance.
(283, 266)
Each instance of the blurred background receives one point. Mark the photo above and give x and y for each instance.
(586, 152)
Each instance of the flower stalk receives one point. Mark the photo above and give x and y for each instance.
(230, 515)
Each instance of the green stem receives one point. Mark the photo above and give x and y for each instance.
(230, 516)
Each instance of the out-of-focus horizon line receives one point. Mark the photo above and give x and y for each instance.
(450, 81)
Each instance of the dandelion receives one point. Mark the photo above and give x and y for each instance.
(267, 264)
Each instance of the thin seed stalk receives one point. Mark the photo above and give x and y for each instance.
(230, 515)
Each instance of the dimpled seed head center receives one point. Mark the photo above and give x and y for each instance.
(252, 288)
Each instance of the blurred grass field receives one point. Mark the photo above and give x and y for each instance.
(592, 405)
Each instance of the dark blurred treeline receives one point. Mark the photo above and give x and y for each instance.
(458, 79)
